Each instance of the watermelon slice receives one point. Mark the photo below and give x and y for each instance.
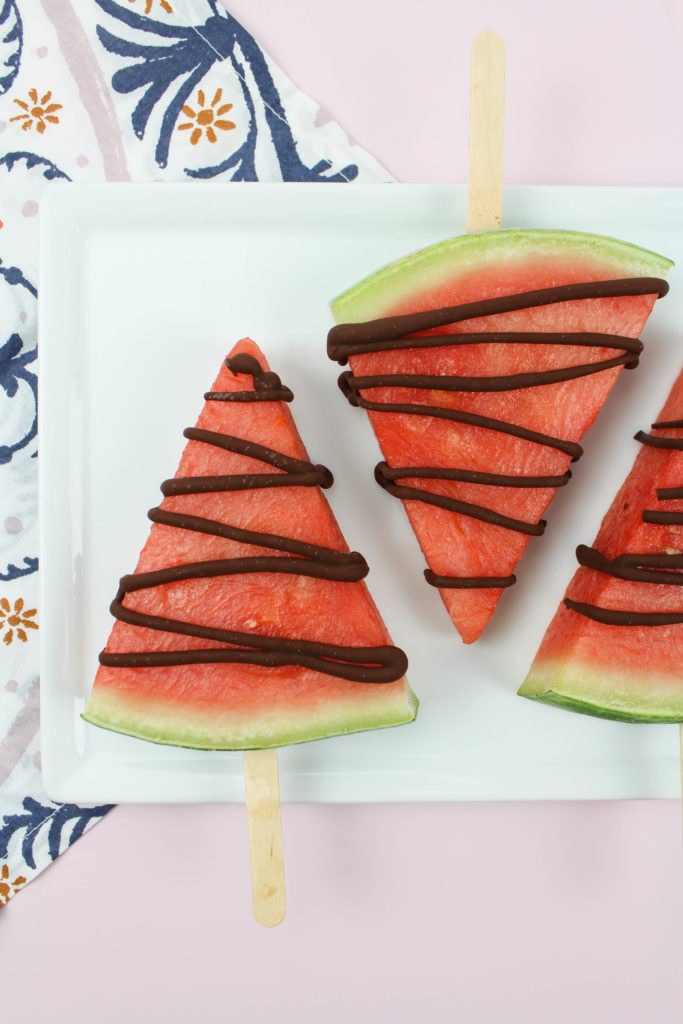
(615, 646)
(519, 346)
(246, 623)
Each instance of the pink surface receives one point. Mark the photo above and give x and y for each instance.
(475, 913)
(593, 87)
(482, 912)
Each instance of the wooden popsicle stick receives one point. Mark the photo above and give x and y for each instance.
(487, 117)
(262, 788)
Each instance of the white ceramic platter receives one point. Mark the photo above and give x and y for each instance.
(144, 289)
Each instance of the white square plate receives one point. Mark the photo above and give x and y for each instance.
(144, 289)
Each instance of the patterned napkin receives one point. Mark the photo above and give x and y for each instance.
(142, 90)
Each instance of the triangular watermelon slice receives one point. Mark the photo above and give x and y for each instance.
(615, 646)
(246, 623)
(478, 435)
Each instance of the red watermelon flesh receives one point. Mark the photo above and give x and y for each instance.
(625, 672)
(232, 705)
(468, 269)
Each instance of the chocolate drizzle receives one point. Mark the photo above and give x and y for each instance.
(637, 568)
(662, 569)
(660, 442)
(385, 476)
(392, 332)
(267, 385)
(402, 332)
(664, 517)
(379, 664)
(295, 472)
(619, 617)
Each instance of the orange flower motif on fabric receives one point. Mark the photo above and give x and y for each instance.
(14, 621)
(37, 111)
(7, 888)
(150, 3)
(207, 118)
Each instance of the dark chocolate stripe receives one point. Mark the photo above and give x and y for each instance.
(384, 666)
(403, 332)
(663, 518)
(361, 664)
(245, 482)
(274, 395)
(385, 474)
(613, 617)
(662, 569)
(474, 419)
(239, 446)
(267, 385)
(379, 664)
(675, 443)
(465, 508)
(238, 566)
(469, 582)
(269, 540)
(339, 352)
(306, 475)
(473, 476)
(640, 568)
(509, 382)
(390, 327)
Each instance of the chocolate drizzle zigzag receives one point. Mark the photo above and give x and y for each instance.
(380, 664)
(663, 569)
(402, 332)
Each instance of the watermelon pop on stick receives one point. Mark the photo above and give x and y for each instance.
(246, 624)
(615, 646)
(482, 361)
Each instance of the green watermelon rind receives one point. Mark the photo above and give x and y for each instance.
(105, 713)
(583, 707)
(427, 268)
(576, 688)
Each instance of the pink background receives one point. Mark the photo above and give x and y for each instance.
(545, 912)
